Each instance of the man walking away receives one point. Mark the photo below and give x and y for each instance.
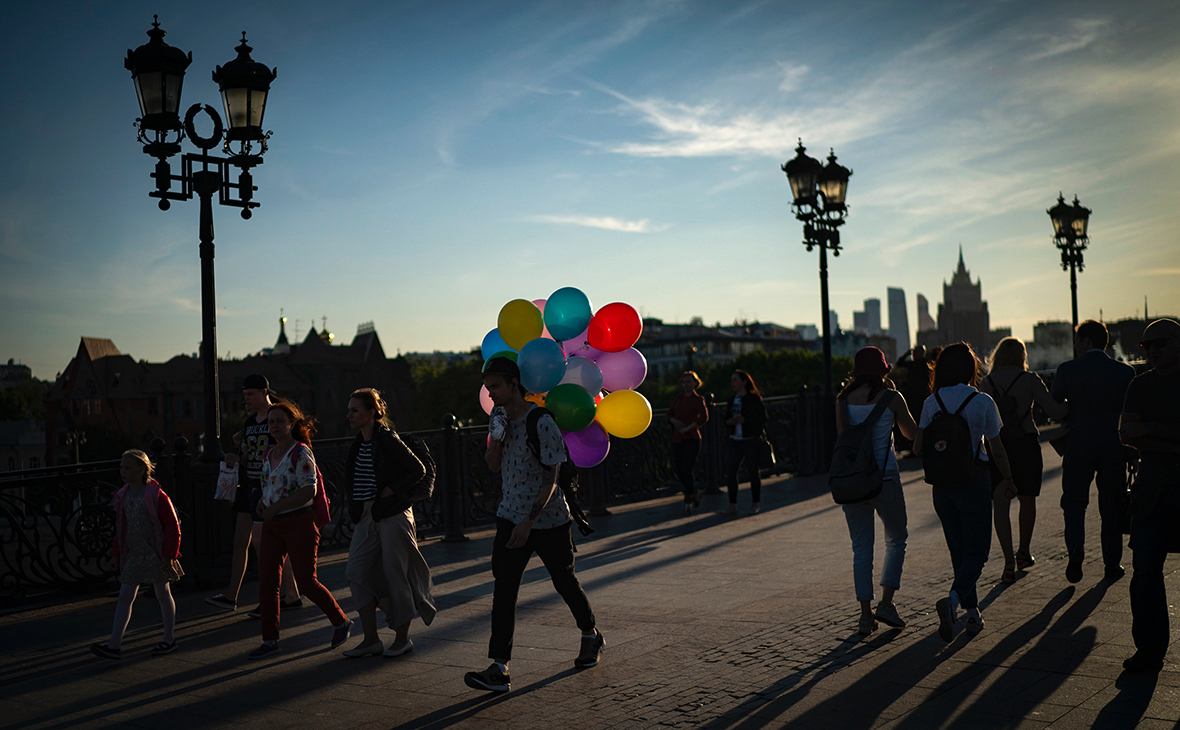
(1094, 385)
(533, 517)
(1151, 423)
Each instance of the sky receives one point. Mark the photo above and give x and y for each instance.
(432, 160)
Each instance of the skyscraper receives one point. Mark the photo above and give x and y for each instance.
(899, 321)
(925, 321)
(873, 316)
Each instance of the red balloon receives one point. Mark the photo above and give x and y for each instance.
(614, 328)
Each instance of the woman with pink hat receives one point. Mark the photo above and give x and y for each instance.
(869, 395)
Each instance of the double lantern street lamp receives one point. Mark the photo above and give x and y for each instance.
(1070, 225)
(158, 72)
(819, 192)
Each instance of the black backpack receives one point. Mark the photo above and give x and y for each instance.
(1011, 418)
(567, 475)
(855, 475)
(948, 453)
(424, 487)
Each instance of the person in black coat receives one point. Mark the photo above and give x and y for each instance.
(385, 567)
(745, 416)
(1094, 385)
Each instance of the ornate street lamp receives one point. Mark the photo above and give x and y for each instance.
(818, 193)
(158, 72)
(1071, 224)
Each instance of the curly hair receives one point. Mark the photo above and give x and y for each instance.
(303, 427)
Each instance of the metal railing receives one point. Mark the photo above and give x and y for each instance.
(57, 524)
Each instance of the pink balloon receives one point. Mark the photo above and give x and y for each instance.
(540, 304)
(485, 400)
(622, 370)
(589, 446)
(580, 347)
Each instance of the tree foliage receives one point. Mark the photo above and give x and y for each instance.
(776, 373)
(441, 388)
(23, 401)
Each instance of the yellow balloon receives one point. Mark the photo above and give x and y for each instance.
(624, 413)
(520, 322)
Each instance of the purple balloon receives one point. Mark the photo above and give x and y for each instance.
(580, 346)
(622, 370)
(589, 446)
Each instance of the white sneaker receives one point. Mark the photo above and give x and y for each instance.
(974, 621)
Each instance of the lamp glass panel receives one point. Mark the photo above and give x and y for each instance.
(1060, 225)
(235, 101)
(150, 88)
(1079, 226)
(803, 185)
(171, 86)
(257, 107)
(834, 191)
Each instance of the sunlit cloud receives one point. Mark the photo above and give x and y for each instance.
(1079, 34)
(606, 223)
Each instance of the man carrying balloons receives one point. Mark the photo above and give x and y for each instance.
(532, 517)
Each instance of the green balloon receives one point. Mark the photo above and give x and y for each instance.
(510, 354)
(572, 407)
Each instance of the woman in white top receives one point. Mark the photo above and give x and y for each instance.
(289, 484)
(862, 394)
(1015, 390)
(965, 510)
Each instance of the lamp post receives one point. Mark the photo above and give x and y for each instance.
(158, 72)
(1070, 226)
(819, 191)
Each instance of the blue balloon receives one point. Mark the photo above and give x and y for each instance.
(493, 343)
(542, 365)
(567, 313)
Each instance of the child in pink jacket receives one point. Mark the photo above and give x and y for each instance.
(147, 546)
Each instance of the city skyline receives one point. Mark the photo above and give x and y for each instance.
(431, 162)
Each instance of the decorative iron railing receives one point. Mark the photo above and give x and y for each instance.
(57, 524)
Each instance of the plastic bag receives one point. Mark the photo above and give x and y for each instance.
(227, 483)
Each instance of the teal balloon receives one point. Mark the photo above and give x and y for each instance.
(493, 343)
(572, 407)
(542, 365)
(567, 313)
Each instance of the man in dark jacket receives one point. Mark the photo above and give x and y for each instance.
(1094, 384)
(1151, 423)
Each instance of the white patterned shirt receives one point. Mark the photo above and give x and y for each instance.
(523, 475)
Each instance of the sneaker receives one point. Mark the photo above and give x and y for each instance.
(373, 649)
(868, 625)
(222, 602)
(105, 651)
(1143, 662)
(341, 633)
(395, 650)
(162, 648)
(1114, 573)
(263, 650)
(974, 622)
(1073, 571)
(886, 613)
(946, 610)
(287, 606)
(687, 508)
(755, 509)
(591, 650)
(1024, 561)
(490, 679)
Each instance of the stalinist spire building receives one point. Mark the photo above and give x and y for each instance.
(963, 314)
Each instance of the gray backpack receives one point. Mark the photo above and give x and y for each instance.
(855, 475)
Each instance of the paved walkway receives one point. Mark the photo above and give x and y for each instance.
(715, 622)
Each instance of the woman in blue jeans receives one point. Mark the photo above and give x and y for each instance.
(865, 390)
(965, 510)
(745, 415)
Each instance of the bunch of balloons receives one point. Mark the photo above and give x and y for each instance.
(577, 363)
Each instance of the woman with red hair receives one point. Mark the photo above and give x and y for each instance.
(289, 483)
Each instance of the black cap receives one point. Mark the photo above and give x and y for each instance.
(501, 366)
(256, 381)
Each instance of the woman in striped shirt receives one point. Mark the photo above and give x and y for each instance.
(385, 567)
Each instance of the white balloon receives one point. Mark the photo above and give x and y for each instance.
(584, 372)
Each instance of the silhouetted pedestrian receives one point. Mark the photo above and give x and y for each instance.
(745, 415)
(1151, 423)
(687, 414)
(1094, 385)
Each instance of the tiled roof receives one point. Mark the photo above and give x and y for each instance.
(99, 347)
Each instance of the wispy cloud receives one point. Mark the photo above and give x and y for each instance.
(1078, 34)
(606, 223)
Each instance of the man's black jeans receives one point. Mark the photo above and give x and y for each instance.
(1107, 467)
(556, 550)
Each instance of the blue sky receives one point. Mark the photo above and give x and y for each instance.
(432, 160)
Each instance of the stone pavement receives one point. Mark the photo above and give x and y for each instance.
(715, 622)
